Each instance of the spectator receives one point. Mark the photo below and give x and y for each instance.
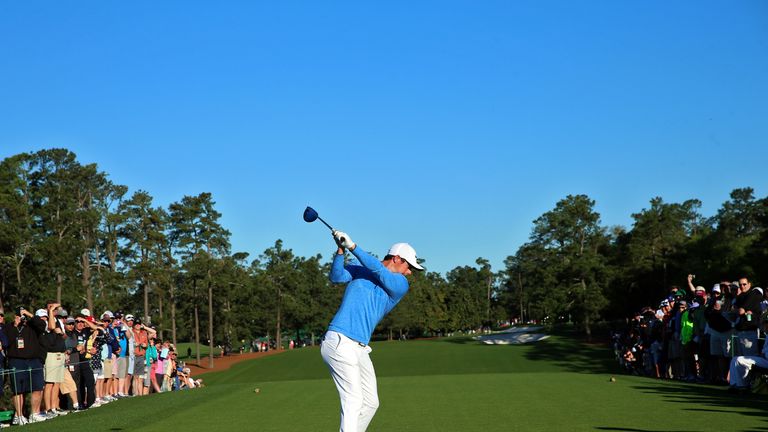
(4, 344)
(675, 346)
(73, 358)
(152, 358)
(172, 371)
(87, 385)
(158, 371)
(163, 370)
(720, 335)
(747, 304)
(105, 380)
(141, 343)
(52, 341)
(120, 331)
(24, 355)
(128, 325)
(741, 365)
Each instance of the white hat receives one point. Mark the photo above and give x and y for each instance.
(41, 313)
(406, 252)
(129, 317)
(107, 314)
(716, 288)
(85, 312)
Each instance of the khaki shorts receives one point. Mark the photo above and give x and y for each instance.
(122, 367)
(106, 367)
(54, 367)
(68, 385)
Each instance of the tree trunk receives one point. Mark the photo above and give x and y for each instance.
(488, 304)
(210, 321)
(18, 272)
(161, 316)
(587, 328)
(171, 289)
(59, 283)
(85, 281)
(98, 272)
(2, 294)
(197, 336)
(227, 324)
(522, 306)
(278, 344)
(146, 300)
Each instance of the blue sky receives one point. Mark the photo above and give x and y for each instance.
(451, 125)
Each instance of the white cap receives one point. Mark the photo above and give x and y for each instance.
(85, 312)
(716, 288)
(41, 313)
(107, 314)
(406, 252)
(129, 317)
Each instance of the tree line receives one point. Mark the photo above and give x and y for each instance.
(68, 233)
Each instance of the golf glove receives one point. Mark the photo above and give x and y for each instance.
(343, 240)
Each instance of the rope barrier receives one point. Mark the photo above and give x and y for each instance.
(10, 371)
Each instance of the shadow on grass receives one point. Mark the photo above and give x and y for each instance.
(710, 399)
(571, 352)
(640, 430)
(566, 348)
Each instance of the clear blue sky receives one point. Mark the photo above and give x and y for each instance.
(450, 125)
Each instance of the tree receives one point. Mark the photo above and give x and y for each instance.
(16, 240)
(572, 232)
(145, 247)
(658, 236)
(200, 241)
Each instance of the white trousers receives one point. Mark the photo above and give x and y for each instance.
(355, 379)
(740, 367)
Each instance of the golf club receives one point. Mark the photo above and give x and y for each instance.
(310, 215)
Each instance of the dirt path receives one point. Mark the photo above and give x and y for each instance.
(223, 363)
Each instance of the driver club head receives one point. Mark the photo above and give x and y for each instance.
(310, 215)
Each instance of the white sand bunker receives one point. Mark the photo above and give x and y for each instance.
(513, 336)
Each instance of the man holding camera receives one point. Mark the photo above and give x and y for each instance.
(24, 355)
(141, 342)
(53, 341)
(87, 385)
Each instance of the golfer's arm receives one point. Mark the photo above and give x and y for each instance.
(394, 284)
(339, 274)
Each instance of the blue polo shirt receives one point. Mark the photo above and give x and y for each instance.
(372, 292)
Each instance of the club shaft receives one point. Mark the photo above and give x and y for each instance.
(326, 223)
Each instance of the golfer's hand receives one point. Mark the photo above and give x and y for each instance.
(343, 240)
(335, 239)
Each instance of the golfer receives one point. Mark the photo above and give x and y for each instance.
(374, 288)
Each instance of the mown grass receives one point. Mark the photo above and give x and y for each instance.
(437, 385)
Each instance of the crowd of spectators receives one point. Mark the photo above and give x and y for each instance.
(697, 335)
(56, 362)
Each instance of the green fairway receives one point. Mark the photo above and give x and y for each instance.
(437, 385)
